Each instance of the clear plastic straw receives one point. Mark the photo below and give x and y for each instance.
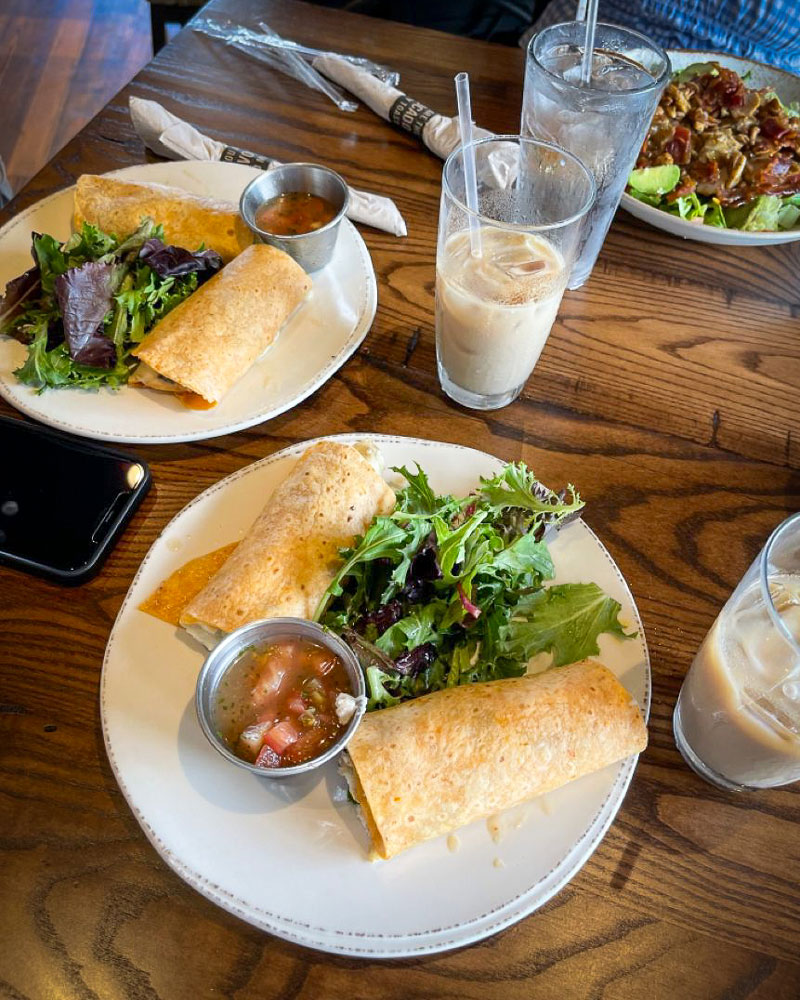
(588, 44)
(468, 155)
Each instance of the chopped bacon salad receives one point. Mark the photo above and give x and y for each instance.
(719, 153)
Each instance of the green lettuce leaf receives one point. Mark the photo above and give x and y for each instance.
(377, 693)
(54, 368)
(417, 497)
(788, 215)
(90, 243)
(688, 207)
(517, 486)
(649, 199)
(421, 626)
(715, 215)
(452, 544)
(52, 262)
(524, 557)
(565, 620)
(759, 215)
(384, 539)
(147, 298)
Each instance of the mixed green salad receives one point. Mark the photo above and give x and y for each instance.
(85, 304)
(447, 591)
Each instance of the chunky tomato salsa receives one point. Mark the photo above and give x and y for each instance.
(283, 702)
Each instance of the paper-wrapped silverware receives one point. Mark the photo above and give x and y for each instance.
(167, 135)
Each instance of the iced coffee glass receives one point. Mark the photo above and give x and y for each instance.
(501, 270)
(737, 721)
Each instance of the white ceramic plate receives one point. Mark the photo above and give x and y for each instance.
(291, 859)
(787, 87)
(312, 346)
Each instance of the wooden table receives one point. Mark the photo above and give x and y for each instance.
(669, 391)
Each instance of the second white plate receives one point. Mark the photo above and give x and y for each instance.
(787, 88)
(292, 858)
(312, 346)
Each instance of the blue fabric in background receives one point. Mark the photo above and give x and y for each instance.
(5, 187)
(765, 30)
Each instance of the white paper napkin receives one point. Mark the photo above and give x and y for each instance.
(170, 136)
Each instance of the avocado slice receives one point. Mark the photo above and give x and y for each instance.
(655, 180)
(696, 69)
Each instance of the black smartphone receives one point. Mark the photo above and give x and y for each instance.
(63, 501)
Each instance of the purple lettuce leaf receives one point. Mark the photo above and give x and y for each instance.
(172, 261)
(423, 571)
(84, 298)
(382, 618)
(415, 660)
(19, 292)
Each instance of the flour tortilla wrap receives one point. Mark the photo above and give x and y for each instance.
(434, 764)
(289, 556)
(118, 206)
(211, 339)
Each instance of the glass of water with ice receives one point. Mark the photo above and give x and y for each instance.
(501, 268)
(603, 122)
(737, 720)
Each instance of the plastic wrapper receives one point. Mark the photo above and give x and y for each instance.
(287, 56)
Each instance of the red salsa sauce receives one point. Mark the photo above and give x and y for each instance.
(295, 212)
(275, 707)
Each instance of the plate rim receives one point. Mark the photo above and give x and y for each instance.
(347, 943)
(367, 310)
(689, 230)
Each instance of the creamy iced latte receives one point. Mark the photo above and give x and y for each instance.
(737, 721)
(740, 708)
(494, 311)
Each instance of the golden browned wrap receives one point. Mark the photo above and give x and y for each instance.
(289, 556)
(211, 339)
(429, 766)
(118, 206)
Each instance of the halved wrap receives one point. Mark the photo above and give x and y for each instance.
(429, 766)
(117, 206)
(205, 344)
(287, 559)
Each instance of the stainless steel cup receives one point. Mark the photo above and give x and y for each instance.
(224, 656)
(313, 250)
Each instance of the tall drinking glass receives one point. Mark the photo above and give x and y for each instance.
(501, 271)
(605, 122)
(737, 721)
